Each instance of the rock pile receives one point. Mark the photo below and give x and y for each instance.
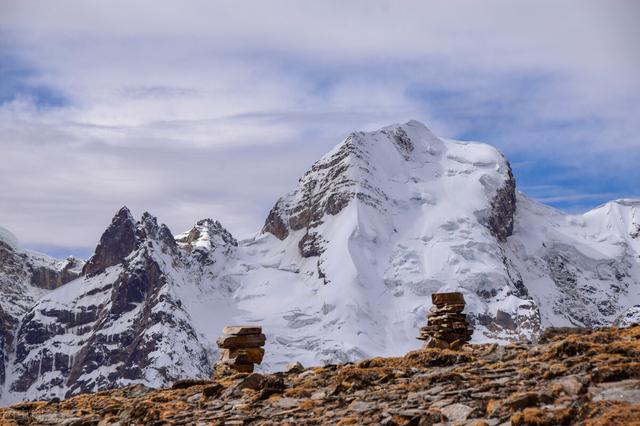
(446, 324)
(241, 347)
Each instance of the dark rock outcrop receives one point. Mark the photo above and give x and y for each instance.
(325, 189)
(120, 320)
(275, 224)
(503, 208)
(50, 279)
(116, 243)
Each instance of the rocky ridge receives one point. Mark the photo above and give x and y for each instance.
(120, 322)
(590, 378)
(25, 276)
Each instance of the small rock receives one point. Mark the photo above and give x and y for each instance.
(253, 381)
(318, 395)
(306, 373)
(570, 385)
(212, 391)
(456, 412)
(194, 398)
(242, 329)
(294, 367)
(187, 383)
(441, 403)
(287, 403)
(361, 406)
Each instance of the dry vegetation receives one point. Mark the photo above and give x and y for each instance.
(591, 379)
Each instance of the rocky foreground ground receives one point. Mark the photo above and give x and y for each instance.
(590, 378)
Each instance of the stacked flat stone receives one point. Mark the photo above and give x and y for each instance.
(241, 347)
(446, 323)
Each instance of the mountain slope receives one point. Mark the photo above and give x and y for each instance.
(123, 321)
(25, 276)
(582, 270)
(343, 269)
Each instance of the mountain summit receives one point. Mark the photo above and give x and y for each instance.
(343, 269)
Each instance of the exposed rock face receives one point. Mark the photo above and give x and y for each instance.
(115, 244)
(24, 277)
(589, 378)
(275, 223)
(324, 190)
(50, 279)
(503, 208)
(112, 327)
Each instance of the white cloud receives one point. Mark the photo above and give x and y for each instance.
(192, 109)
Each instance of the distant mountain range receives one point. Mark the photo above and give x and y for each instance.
(343, 269)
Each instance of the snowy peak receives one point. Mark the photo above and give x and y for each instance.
(347, 172)
(124, 320)
(148, 229)
(123, 236)
(208, 243)
(117, 241)
(207, 233)
(618, 219)
(375, 169)
(8, 240)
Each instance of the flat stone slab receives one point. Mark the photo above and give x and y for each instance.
(454, 298)
(624, 390)
(242, 341)
(242, 329)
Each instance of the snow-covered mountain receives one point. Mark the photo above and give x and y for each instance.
(25, 277)
(343, 268)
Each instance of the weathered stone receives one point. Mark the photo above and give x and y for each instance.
(253, 381)
(361, 406)
(570, 385)
(294, 367)
(446, 323)
(625, 390)
(526, 385)
(244, 341)
(187, 383)
(274, 223)
(212, 391)
(453, 298)
(253, 355)
(456, 412)
(242, 329)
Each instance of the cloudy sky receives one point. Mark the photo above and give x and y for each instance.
(214, 109)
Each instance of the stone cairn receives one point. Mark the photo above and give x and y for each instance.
(447, 326)
(241, 348)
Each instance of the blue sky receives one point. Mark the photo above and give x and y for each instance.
(204, 109)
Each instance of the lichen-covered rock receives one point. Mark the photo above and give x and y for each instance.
(520, 384)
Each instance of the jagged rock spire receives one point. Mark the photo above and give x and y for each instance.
(117, 241)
